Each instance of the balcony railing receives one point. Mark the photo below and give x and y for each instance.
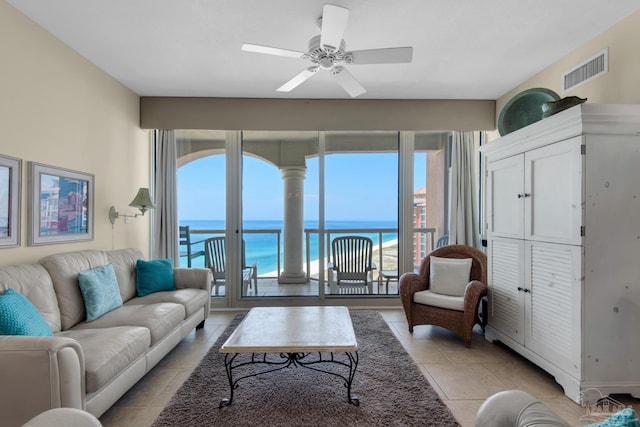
(427, 233)
(331, 233)
(220, 232)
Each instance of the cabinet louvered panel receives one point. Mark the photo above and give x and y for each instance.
(550, 311)
(505, 272)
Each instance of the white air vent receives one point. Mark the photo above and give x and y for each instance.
(588, 70)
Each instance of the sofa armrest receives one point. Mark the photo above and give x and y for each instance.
(64, 417)
(39, 373)
(516, 408)
(198, 278)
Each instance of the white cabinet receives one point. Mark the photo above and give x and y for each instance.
(537, 195)
(563, 231)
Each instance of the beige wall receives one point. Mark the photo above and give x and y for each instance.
(58, 109)
(621, 85)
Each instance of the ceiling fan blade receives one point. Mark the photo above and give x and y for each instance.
(298, 79)
(334, 22)
(348, 82)
(272, 50)
(392, 55)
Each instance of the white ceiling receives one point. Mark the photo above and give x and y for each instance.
(463, 49)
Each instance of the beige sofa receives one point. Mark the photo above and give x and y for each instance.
(90, 365)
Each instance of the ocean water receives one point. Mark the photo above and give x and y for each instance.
(261, 248)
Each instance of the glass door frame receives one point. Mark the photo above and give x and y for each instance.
(233, 229)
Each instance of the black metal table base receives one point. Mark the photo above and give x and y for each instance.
(278, 361)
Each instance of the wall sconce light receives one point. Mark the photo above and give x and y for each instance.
(142, 201)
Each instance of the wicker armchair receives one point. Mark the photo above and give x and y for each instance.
(460, 322)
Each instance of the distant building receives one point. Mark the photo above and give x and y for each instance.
(429, 207)
(420, 246)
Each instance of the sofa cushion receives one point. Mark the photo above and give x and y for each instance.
(427, 297)
(124, 264)
(33, 281)
(107, 351)
(160, 319)
(449, 276)
(64, 269)
(19, 317)
(193, 300)
(100, 291)
(154, 276)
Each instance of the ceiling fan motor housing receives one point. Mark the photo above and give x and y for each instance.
(325, 56)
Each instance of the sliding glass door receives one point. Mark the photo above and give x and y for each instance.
(279, 206)
(201, 197)
(279, 199)
(361, 199)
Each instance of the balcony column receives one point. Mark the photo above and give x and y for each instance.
(293, 177)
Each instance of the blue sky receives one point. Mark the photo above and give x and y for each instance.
(359, 187)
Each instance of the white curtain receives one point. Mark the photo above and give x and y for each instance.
(165, 225)
(463, 196)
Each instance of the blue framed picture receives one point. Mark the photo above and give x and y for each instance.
(10, 175)
(61, 205)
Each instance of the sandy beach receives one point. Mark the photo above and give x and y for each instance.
(315, 264)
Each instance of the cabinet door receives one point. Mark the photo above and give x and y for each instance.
(506, 296)
(505, 184)
(553, 189)
(553, 281)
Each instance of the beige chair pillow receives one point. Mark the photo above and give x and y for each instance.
(449, 276)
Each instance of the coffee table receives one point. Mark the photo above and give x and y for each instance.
(281, 337)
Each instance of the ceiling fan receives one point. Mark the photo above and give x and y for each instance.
(327, 51)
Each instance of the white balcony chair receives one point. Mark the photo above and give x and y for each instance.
(215, 260)
(351, 267)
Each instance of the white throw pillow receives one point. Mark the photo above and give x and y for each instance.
(449, 276)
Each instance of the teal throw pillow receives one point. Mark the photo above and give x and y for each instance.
(154, 276)
(100, 291)
(624, 418)
(18, 316)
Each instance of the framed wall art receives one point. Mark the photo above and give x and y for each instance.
(60, 205)
(10, 176)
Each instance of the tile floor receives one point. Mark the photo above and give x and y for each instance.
(462, 377)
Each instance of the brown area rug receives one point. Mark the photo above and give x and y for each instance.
(391, 389)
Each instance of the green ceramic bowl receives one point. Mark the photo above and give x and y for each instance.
(524, 108)
(551, 108)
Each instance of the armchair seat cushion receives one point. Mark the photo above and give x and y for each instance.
(449, 302)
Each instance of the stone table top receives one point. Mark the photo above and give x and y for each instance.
(293, 329)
